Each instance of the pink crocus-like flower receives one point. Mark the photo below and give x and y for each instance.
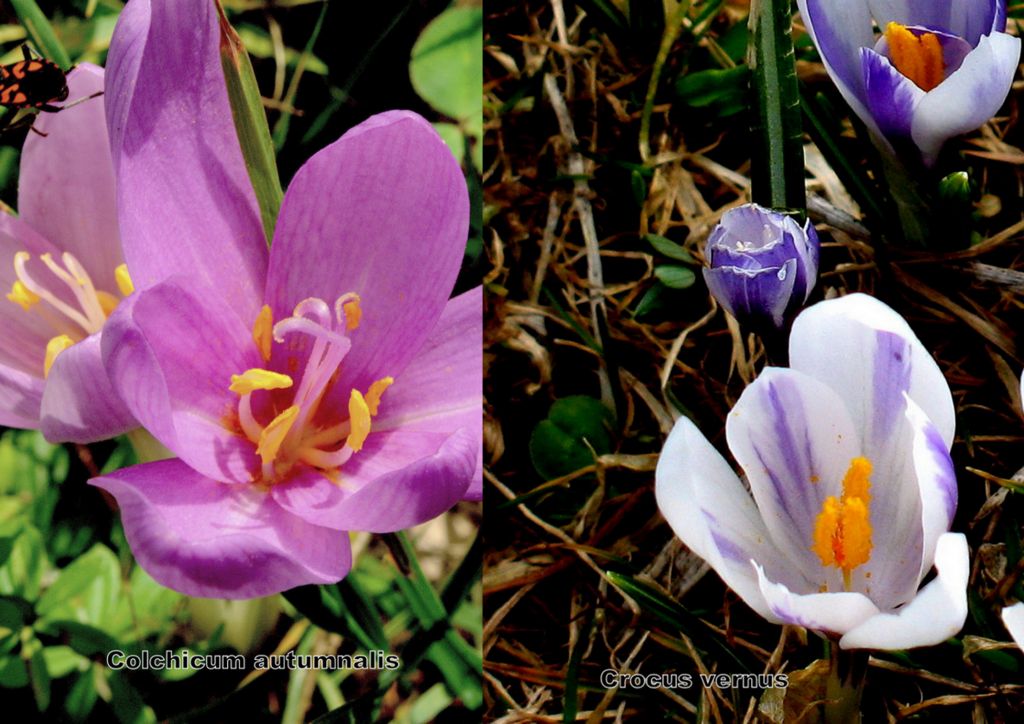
(61, 262)
(330, 385)
(852, 489)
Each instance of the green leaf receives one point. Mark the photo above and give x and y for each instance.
(777, 169)
(22, 572)
(669, 248)
(446, 68)
(429, 705)
(83, 638)
(82, 697)
(41, 32)
(250, 124)
(14, 613)
(40, 678)
(86, 591)
(722, 91)
(575, 430)
(63, 660)
(675, 277)
(258, 43)
(13, 672)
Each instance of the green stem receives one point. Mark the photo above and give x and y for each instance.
(845, 685)
(912, 205)
(672, 30)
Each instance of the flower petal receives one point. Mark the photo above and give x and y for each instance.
(170, 353)
(754, 295)
(970, 19)
(383, 212)
(205, 538)
(442, 388)
(79, 403)
(938, 611)
(66, 182)
(936, 479)
(25, 334)
(967, 98)
(399, 479)
(871, 348)
(21, 395)
(913, 500)
(795, 441)
(1013, 619)
(710, 511)
(827, 612)
(840, 30)
(185, 202)
(891, 96)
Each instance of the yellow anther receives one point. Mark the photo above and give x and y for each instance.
(53, 348)
(856, 482)
(108, 302)
(842, 530)
(353, 313)
(263, 331)
(257, 379)
(22, 296)
(359, 419)
(124, 281)
(376, 390)
(826, 528)
(274, 434)
(916, 56)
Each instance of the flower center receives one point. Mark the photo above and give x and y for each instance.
(917, 56)
(72, 316)
(290, 424)
(842, 530)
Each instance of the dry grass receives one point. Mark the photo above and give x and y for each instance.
(569, 266)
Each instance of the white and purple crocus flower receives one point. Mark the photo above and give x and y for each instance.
(61, 264)
(938, 69)
(851, 487)
(327, 385)
(762, 265)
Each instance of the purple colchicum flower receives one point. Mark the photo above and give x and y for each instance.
(61, 260)
(763, 264)
(852, 490)
(326, 386)
(938, 70)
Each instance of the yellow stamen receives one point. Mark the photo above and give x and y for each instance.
(108, 302)
(916, 56)
(124, 281)
(856, 482)
(359, 417)
(263, 331)
(23, 296)
(373, 394)
(53, 348)
(274, 434)
(353, 313)
(257, 379)
(826, 527)
(842, 530)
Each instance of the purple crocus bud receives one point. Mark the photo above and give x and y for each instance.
(850, 490)
(763, 264)
(938, 69)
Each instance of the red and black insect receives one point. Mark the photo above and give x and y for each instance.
(33, 85)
